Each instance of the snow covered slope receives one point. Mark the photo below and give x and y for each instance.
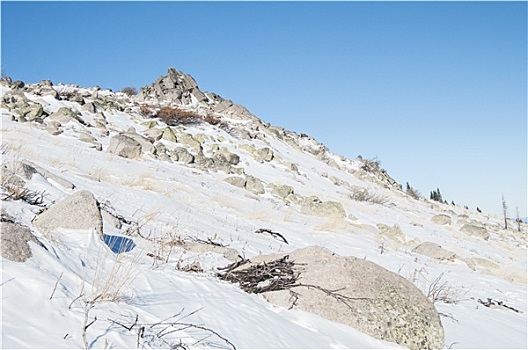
(188, 218)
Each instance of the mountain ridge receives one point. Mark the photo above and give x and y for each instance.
(213, 189)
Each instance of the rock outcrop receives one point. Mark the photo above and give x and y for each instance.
(175, 87)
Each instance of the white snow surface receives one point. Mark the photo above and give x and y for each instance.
(44, 299)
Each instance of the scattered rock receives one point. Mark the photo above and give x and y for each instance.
(441, 219)
(254, 185)
(190, 141)
(434, 251)
(169, 135)
(182, 155)
(125, 146)
(314, 206)
(89, 107)
(14, 242)
(394, 232)
(263, 155)
(146, 144)
(65, 115)
(35, 112)
(476, 231)
(155, 134)
(236, 181)
(281, 191)
(79, 211)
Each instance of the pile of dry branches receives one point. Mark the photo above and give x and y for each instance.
(278, 274)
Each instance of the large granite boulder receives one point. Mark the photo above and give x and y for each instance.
(348, 290)
(79, 211)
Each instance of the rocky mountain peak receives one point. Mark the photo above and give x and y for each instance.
(174, 87)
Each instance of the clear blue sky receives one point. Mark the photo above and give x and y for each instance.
(437, 91)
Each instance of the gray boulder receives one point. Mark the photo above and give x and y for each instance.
(79, 211)
(189, 140)
(441, 219)
(434, 251)
(146, 145)
(124, 146)
(53, 127)
(360, 294)
(236, 181)
(35, 112)
(476, 231)
(281, 191)
(254, 185)
(14, 242)
(314, 206)
(65, 115)
(89, 107)
(263, 155)
(182, 155)
(203, 162)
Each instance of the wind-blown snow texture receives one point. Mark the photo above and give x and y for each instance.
(44, 300)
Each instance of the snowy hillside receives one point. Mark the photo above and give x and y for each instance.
(188, 182)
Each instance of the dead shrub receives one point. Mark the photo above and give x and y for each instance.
(15, 191)
(442, 291)
(371, 165)
(365, 196)
(146, 111)
(173, 116)
(413, 193)
(129, 90)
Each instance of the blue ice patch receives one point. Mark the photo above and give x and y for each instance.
(119, 244)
